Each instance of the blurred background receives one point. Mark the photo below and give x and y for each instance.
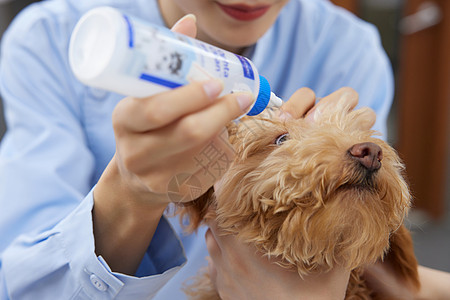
(416, 36)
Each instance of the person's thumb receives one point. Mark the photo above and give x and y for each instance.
(187, 25)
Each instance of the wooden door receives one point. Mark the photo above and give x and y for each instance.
(424, 108)
(351, 5)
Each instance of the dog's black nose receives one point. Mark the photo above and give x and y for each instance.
(368, 154)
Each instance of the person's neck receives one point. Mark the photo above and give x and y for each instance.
(205, 38)
(326, 286)
(172, 13)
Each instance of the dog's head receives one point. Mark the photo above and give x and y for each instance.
(314, 194)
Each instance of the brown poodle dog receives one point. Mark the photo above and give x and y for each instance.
(314, 195)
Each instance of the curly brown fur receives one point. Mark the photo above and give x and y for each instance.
(201, 288)
(309, 202)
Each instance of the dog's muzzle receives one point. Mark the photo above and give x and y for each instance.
(369, 155)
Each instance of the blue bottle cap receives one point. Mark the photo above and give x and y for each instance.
(263, 97)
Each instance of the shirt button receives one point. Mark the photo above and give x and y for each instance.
(98, 283)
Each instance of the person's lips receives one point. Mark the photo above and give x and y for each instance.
(243, 12)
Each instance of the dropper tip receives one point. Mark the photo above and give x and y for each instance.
(275, 101)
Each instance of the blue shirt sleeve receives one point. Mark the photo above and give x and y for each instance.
(46, 170)
(62, 261)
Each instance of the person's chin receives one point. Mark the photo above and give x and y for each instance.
(235, 44)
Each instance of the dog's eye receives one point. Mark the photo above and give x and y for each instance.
(281, 139)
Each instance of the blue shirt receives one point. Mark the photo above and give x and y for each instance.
(60, 139)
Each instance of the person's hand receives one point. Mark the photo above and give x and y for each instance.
(159, 158)
(381, 278)
(434, 283)
(302, 104)
(239, 272)
(160, 139)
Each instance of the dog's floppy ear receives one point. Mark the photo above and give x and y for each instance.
(401, 257)
(196, 210)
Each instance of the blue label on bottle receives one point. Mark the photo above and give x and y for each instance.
(130, 32)
(246, 67)
(160, 81)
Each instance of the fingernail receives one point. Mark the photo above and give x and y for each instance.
(191, 16)
(310, 114)
(245, 101)
(344, 100)
(188, 16)
(284, 115)
(313, 114)
(212, 88)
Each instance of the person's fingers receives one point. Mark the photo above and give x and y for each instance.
(203, 125)
(344, 97)
(144, 114)
(186, 25)
(298, 104)
(192, 130)
(210, 164)
(184, 175)
(368, 119)
(198, 171)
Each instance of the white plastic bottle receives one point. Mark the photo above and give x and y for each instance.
(123, 54)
